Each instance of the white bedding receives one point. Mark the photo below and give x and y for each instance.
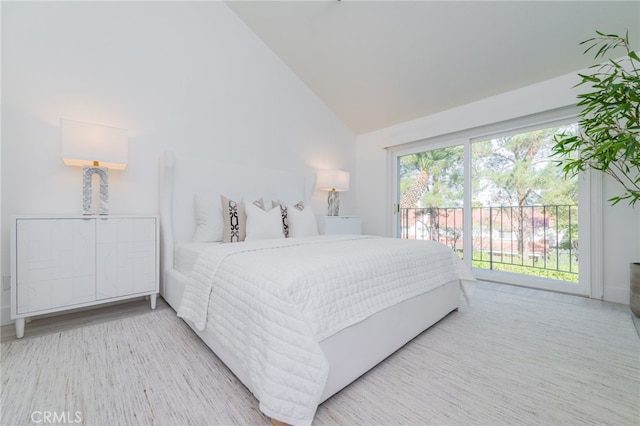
(270, 302)
(187, 254)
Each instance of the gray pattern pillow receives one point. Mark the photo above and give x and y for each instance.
(285, 220)
(235, 220)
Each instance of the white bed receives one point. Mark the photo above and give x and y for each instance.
(350, 351)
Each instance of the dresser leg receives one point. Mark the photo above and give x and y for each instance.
(19, 328)
(153, 300)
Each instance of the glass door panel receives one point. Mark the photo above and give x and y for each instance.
(431, 196)
(501, 203)
(525, 213)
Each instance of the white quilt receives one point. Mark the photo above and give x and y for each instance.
(270, 302)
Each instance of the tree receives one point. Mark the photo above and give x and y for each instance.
(516, 171)
(431, 178)
(609, 139)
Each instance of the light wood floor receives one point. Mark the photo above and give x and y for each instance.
(567, 298)
(79, 318)
(56, 323)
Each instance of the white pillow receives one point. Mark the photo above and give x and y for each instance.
(209, 222)
(261, 224)
(301, 221)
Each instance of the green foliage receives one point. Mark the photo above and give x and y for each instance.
(516, 170)
(433, 178)
(609, 138)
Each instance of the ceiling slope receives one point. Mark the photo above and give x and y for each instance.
(380, 63)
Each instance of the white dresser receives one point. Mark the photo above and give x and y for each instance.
(328, 225)
(60, 263)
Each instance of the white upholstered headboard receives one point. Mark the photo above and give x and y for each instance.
(182, 178)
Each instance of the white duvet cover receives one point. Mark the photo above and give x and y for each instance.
(270, 302)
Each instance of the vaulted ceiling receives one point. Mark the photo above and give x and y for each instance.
(380, 63)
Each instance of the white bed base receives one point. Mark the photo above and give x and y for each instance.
(356, 349)
(351, 352)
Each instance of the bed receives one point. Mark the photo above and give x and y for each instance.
(295, 319)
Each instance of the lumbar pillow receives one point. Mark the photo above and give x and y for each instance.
(209, 222)
(263, 224)
(285, 220)
(235, 220)
(301, 221)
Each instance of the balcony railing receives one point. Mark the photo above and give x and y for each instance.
(505, 237)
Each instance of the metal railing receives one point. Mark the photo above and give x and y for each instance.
(539, 237)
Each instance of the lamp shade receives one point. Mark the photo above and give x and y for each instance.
(84, 143)
(333, 180)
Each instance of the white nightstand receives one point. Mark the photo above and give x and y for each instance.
(60, 263)
(328, 225)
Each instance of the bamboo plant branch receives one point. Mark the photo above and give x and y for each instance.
(609, 139)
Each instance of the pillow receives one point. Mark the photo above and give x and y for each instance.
(209, 223)
(261, 224)
(301, 221)
(283, 212)
(235, 220)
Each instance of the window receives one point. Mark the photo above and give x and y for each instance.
(499, 201)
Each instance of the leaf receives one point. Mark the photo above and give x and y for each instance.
(609, 136)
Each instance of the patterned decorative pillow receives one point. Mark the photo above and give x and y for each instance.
(283, 213)
(235, 219)
(301, 221)
(261, 224)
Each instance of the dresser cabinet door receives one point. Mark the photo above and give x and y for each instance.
(55, 263)
(126, 256)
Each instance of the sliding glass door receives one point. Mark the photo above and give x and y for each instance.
(501, 202)
(431, 195)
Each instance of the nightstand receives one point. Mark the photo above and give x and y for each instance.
(328, 225)
(67, 262)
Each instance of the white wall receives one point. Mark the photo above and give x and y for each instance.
(621, 243)
(184, 76)
(621, 224)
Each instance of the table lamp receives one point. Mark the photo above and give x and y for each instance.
(96, 149)
(334, 181)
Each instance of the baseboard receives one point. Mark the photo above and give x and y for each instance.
(617, 295)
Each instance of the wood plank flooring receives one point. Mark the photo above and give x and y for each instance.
(79, 318)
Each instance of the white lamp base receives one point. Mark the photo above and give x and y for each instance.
(87, 194)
